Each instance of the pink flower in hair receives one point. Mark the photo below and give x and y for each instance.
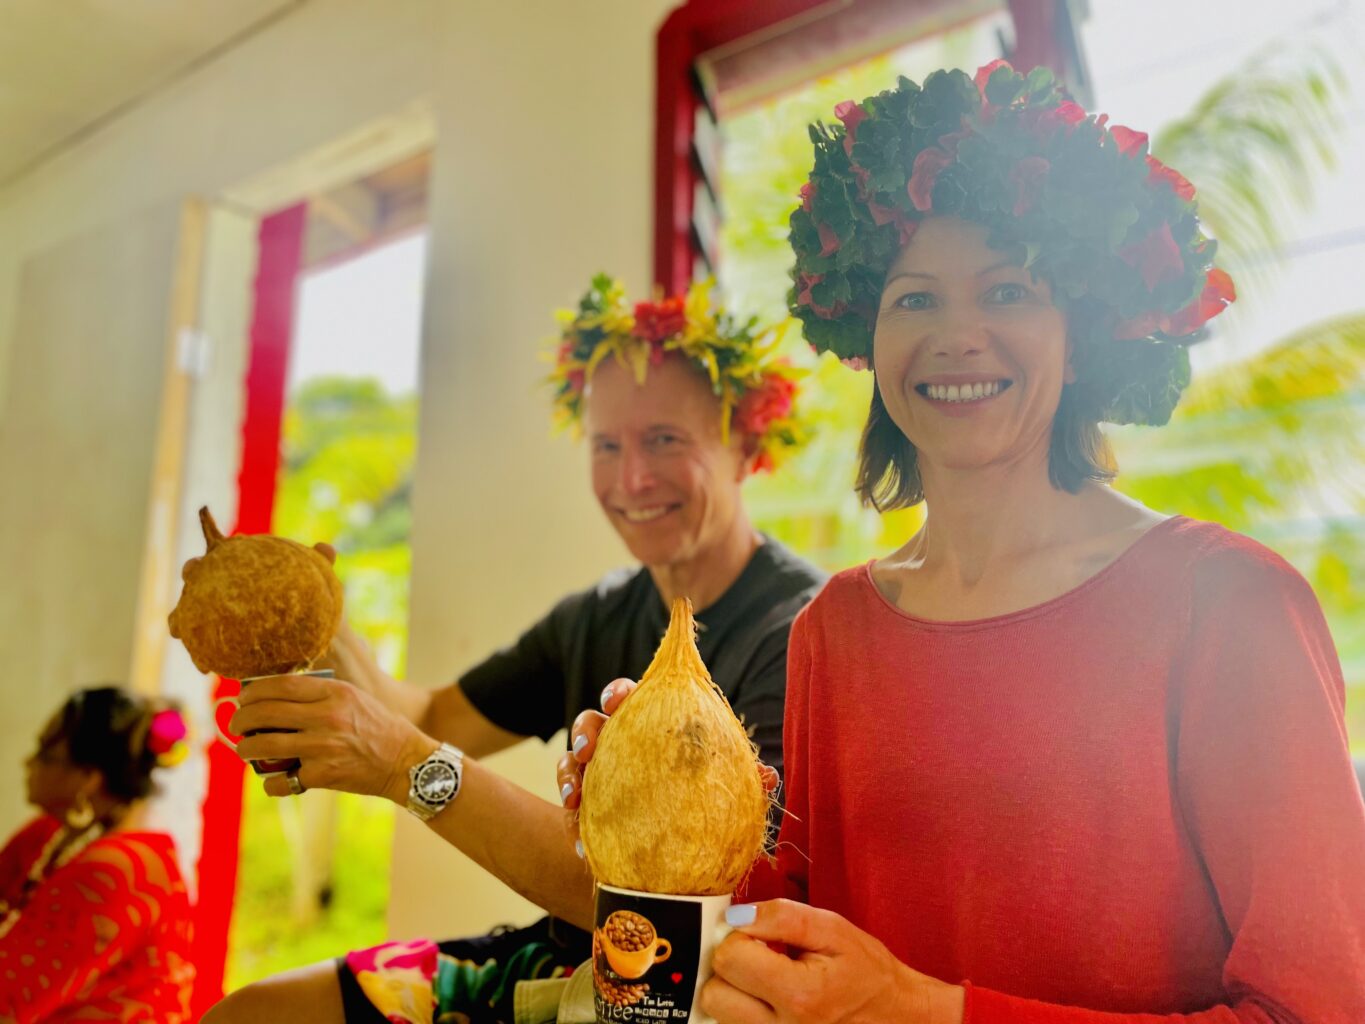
(165, 731)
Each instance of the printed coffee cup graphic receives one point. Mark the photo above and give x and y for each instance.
(631, 945)
(652, 953)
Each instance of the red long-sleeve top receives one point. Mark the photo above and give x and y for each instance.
(1133, 800)
(106, 936)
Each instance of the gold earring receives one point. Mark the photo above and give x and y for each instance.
(80, 816)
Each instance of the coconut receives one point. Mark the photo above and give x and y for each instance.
(673, 801)
(256, 605)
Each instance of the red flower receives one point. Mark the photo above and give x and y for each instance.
(763, 462)
(881, 214)
(1219, 293)
(1027, 177)
(807, 195)
(758, 408)
(864, 177)
(983, 74)
(578, 380)
(1157, 171)
(1071, 113)
(928, 165)
(1130, 142)
(1156, 257)
(658, 321)
(829, 240)
(1144, 325)
(805, 298)
(852, 114)
(1044, 123)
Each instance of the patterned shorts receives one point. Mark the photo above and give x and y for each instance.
(459, 981)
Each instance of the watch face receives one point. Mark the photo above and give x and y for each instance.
(435, 783)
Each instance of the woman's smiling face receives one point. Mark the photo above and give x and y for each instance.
(969, 350)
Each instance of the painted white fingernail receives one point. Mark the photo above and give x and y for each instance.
(580, 741)
(565, 791)
(741, 914)
(606, 696)
(578, 849)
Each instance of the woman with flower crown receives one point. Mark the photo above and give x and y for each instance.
(1061, 759)
(96, 920)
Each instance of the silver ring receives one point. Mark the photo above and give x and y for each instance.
(296, 787)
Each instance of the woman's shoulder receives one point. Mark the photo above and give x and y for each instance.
(1223, 570)
(842, 592)
(1214, 554)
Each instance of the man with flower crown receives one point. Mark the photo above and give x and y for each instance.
(680, 404)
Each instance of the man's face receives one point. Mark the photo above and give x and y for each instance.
(660, 471)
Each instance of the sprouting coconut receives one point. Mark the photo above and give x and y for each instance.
(256, 605)
(672, 800)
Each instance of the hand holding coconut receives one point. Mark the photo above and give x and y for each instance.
(673, 814)
(583, 738)
(673, 801)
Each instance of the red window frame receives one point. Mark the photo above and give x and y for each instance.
(280, 239)
(1043, 35)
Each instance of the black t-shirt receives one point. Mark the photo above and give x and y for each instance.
(560, 665)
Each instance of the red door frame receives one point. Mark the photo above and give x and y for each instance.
(698, 26)
(280, 240)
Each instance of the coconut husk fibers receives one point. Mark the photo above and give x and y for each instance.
(672, 800)
(256, 605)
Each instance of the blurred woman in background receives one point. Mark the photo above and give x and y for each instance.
(94, 915)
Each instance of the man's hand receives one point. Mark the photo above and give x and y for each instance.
(344, 738)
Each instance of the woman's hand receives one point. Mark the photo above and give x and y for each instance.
(583, 740)
(833, 973)
(346, 739)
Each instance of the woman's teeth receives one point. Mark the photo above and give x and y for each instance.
(644, 515)
(963, 392)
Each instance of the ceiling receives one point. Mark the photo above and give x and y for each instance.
(66, 65)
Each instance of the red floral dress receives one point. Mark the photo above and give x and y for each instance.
(103, 937)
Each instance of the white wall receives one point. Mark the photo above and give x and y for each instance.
(328, 66)
(75, 468)
(542, 176)
(310, 78)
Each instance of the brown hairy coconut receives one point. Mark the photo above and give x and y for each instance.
(256, 605)
(672, 800)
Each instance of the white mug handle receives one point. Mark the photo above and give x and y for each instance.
(222, 735)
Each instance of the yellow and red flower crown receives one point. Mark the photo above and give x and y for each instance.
(756, 387)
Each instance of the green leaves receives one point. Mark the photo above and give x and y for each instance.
(1255, 143)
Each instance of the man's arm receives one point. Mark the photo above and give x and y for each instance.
(525, 842)
(348, 740)
(444, 713)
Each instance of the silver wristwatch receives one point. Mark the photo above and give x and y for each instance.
(435, 782)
